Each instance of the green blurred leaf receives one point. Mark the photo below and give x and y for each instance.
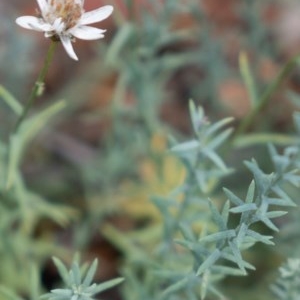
(107, 285)
(248, 78)
(63, 271)
(11, 101)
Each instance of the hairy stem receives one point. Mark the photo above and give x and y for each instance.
(38, 85)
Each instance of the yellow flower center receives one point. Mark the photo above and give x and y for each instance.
(69, 11)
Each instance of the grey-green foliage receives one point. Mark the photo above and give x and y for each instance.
(166, 273)
(13, 189)
(21, 208)
(78, 282)
(204, 169)
(287, 286)
(142, 53)
(186, 207)
(217, 250)
(200, 155)
(289, 234)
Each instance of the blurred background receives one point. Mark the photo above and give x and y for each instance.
(104, 155)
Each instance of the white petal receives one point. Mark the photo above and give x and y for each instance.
(66, 41)
(34, 23)
(87, 32)
(96, 15)
(58, 25)
(80, 2)
(49, 34)
(44, 6)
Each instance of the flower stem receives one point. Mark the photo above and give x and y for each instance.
(266, 96)
(37, 89)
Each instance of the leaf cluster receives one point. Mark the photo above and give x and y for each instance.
(78, 282)
(217, 251)
(21, 208)
(287, 286)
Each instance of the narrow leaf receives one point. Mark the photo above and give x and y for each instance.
(184, 243)
(62, 270)
(232, 197)
(250, 192)
(218, 125)
(62, 292)
(11, 101)
(275, 214)
(237, 255)
(228, 271)
(283, 195)
(30, 127)
(209, 261)
(219, 139)
(217, 217)
(225, 212)
(215, 158)
(14, 156)
(243, 208)
(197, 116)
(230, 257)
(175, 287)
(266, 239)
(248, 78)
(34, 282)
(107, 285)
(268, 223)
(75, 273)
(279, 202)
(187, 146)
(90, 273)
(241, 234)
(222, 235)
(187, 232)
(205, 283)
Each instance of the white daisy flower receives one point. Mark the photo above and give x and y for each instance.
(66, 20)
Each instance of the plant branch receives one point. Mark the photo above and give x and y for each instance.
(37, 89)
(266, 96)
